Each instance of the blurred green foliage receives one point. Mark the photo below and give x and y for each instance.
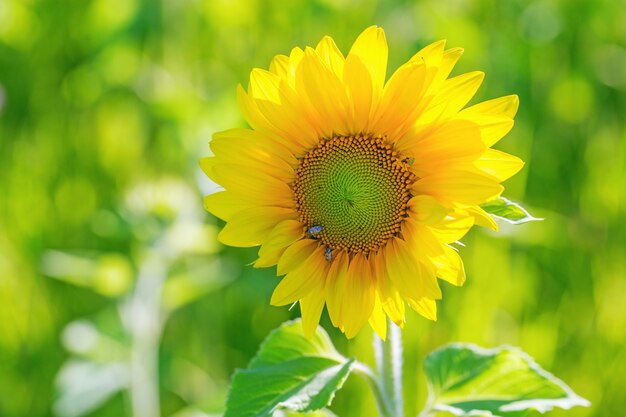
(106, 107)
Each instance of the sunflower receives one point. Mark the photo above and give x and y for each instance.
(356, 187)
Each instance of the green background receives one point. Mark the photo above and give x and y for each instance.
(106, 107)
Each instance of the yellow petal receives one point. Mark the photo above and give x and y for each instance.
(400, 102)
(482, 218)
(326, 94)
(421, 240)
(492, 128)
(426, 307)
(269, 256)
(454, 94)
(252, 156)
(443, 258)
(295, 57)
(250, 227)
(427, 209)
(392, 302)
(273, 168)
(461, 89)
(299, 283)
(224, 205)
(505, 106)
(494, 117)
(360, 91)
(452, 270)
(242, 139)
(335, 285)
(280, 66)
(371, 48)
(411, 277)
(378, 319)
(207, 164)
(358, 296)
(290, 123)
(463, 187)
(395, 309)
(456, 142)
(282, 108)
(331, 55)
(265, 190)
(432, 52)
(264, 85)
(452, 229)
(284, 234)
(295, 255)
(311, 307)
(448, 61)
(432, 56)
(427, 248)
(251, 112)
(499, 164)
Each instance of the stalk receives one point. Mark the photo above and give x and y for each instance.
(388, 356)
(145, 325)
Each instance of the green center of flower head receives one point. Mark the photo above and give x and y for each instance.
(352, 192)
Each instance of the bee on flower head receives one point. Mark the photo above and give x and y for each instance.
(313, 231)
(408, 161)
(328, 254)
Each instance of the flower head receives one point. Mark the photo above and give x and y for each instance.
(354, 186)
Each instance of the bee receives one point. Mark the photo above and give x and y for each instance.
(328, 254)
(408, 161)
(314, 230)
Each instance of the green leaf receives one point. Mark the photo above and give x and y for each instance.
(464, 379)
(288, 372)
(502, 208)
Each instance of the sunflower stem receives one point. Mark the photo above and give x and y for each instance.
(388, 355)
(384, 404)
